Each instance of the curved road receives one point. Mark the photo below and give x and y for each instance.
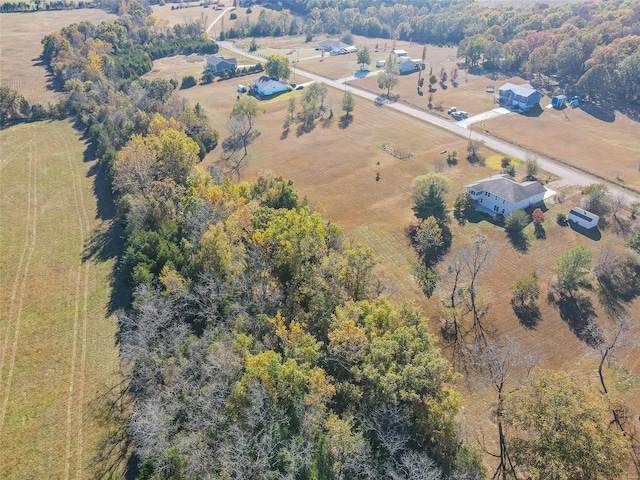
(567, 175)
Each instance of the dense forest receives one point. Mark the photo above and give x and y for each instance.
(257, 339)
(591, 48)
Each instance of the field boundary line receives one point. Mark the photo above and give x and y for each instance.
(32, 207)
(82, 293)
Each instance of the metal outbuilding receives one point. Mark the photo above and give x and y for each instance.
(583, 218)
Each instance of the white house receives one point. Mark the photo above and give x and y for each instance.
(583, 218)
(500, 194)
(410, 65)
(334, 46)
(266, 86)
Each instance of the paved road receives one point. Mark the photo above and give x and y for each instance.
(567, 175)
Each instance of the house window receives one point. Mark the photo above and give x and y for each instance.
(495, 208)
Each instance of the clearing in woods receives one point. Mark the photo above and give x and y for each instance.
(59, 369)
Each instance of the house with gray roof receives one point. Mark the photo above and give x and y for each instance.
(500, 194)
(522, 96)
(217, 64)
(335, 46)
(266, 86)
(410, 65)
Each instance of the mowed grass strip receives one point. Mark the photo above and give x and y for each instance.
(59, 359)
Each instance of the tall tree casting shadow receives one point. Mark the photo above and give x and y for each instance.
(345, 121)
(528, 314)
(576, 311)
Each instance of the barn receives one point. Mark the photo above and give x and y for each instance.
(583, 218)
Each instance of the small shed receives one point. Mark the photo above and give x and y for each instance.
(559, 101)
(583, 218)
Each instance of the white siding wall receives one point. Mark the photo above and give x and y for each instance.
(501, 206)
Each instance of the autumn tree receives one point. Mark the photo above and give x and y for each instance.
(428, 240)
(420, 184)
(473, 151)
(242, 132)
(364, 56)
(388, 78)
(525, 290)
(524, 294)
(348, 103)
(531, 167)
(278, 67)
(559, 431)
(13, 106)
(573, 269)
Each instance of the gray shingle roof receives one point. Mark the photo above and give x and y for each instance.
(264, 81)
(503, 186)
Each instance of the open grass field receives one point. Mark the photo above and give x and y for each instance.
(20, 48)
(59, 367)
(602, 142)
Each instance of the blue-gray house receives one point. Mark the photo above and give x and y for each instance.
(219, 64)
(522, 96)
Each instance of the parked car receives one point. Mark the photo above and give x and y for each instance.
(463, 114)
(299, 87)
(293, 85)
(451, 110)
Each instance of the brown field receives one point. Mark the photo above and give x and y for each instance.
(58, 360)
(20, 48)
(604, 143)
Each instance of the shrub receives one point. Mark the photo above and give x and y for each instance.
(561, 219)
(516, 220)
(188, 82)
(233, 16)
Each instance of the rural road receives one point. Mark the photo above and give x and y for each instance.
(567, 175)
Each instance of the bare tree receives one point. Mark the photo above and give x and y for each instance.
(610, 339)
(500, 366)
(476, 257)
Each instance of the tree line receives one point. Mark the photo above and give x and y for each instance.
(592, 48)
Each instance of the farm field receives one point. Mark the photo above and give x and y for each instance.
(59, 366)
(20, 48)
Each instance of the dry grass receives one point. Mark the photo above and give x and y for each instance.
(57, 341)
(20, 48)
